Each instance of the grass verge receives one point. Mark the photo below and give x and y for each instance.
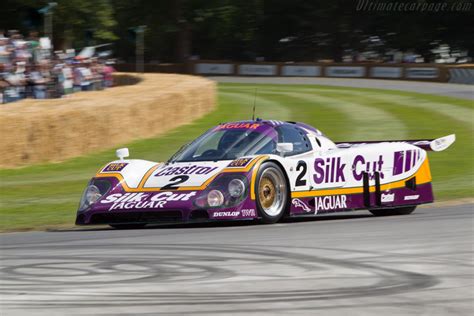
(47, 195)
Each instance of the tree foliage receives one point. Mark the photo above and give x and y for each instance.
(278, 30)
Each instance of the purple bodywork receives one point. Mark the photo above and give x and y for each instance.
(187, 211)
(140, 207)
(121, 206)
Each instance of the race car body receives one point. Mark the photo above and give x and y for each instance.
(262, 170)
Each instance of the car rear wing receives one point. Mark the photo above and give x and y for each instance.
(438, 144)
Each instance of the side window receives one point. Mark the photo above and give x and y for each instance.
(296, 136)
(317, 141)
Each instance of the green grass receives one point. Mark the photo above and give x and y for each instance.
(47, 195)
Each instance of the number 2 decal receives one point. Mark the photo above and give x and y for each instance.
(177, 180)
(300, 181)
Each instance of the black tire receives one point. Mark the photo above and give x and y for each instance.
(127, 226)
(271, 193)
(394, 211)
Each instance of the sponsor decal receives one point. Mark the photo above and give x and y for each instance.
(411, 197)
(442, 143)
(115, 166)
(187, 170)
(225, 214)
(370, 167)
(387, 197)
(250, 212)
(330, 202)
(439, 143)
(142, 200)
(238, 125)
(241, 162)
(234, 213)
(331, 170)
(297, 203)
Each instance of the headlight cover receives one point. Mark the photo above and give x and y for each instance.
(232, 194)
(236, 188)
(215, 198)
(93, 192)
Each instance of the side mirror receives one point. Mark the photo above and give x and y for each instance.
(122, 153)
(284, 148)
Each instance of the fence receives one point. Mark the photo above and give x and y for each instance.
(418, 72)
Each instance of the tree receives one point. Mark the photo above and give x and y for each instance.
(73, 20)
(279, 30)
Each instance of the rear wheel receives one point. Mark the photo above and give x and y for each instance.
(271, 193)
(394, 211)
(127, 226)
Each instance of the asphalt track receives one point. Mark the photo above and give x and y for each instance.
(420, 264)
(347, 263)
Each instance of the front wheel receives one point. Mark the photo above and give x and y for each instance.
(394, 211)
(271, 193)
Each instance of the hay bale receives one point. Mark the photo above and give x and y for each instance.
(38, 131)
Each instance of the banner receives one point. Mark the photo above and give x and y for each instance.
(421, 72)
(386, 72)
(301, 70)
(258, 70)
(214, 69)
(345, 71)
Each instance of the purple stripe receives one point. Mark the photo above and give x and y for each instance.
(398, 163)
(407, 160)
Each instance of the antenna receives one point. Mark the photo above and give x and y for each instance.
(254, 103)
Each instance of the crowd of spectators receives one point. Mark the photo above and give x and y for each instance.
(29, 68)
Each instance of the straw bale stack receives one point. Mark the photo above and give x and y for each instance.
(36, 131)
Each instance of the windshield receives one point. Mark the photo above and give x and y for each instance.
(228, 144)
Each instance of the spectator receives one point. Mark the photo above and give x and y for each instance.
(65, 79)
(40, 78)
(16, 80)
(97, 75)
(107, 71)
(3, 85)
(5, 51)
(28, 69)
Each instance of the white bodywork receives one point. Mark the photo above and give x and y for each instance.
(327, 166)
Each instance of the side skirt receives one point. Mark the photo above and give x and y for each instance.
(372, 198)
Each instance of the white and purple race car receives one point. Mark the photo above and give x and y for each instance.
(261, 170)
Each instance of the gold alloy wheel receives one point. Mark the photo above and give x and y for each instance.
(266, 192)
(272, 192)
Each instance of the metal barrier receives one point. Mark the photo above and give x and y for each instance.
(461, 75)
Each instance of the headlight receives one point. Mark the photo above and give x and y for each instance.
(236, 188)
(89, 197)
(215, 198)
(226, 190)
